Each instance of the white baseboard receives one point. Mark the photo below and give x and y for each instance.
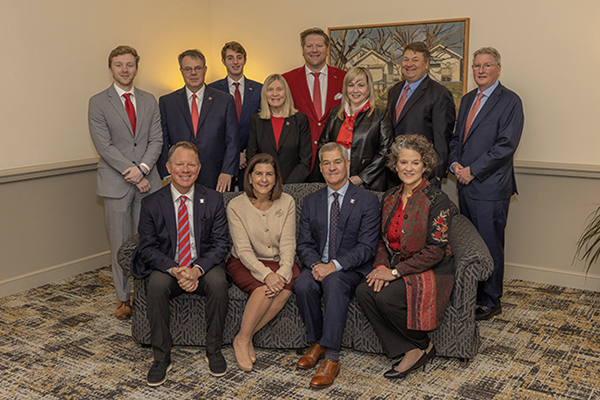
(572, 279)
(53, 273)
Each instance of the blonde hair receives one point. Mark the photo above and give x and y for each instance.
(353, 73)
(288, 103)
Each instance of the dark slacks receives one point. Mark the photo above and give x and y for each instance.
(335, 290)
(489, 217)
(162, 287)
(387, 312)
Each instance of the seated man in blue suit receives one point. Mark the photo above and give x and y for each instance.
(245, 92)
(488, 131)
(337, 239)
(204, 116)
(183, 242)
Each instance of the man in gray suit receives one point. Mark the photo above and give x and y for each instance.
(125, 128)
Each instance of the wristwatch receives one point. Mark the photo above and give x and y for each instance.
(395, 273)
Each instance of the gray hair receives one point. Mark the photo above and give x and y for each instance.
(332, 146)
(491, 51)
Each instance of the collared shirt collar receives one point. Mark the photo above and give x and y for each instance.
(199, 93)
(230, 81)
(121, 92)
(323, 70)
(176, 195)
(487, 92)
(342, 190)
(415, 85)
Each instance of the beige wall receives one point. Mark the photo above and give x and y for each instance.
(54, 59)
(52, 228)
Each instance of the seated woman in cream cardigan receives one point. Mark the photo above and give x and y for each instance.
(262, 222)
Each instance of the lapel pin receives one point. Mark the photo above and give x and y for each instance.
(201, 201)
(352, 201)
(210, 98)
(249, 88)
(287, 123)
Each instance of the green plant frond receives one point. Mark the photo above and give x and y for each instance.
(588, 245)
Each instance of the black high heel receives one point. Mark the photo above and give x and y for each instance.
(421, 362)
(432, 353)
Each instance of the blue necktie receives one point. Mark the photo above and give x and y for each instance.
(334, 217)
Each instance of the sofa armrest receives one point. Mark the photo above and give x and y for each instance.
(125, 254)
(471, 255)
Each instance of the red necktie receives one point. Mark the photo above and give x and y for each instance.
(130, 111)
(471, 115)
(183, 235)
(317, 94)
(237, 96)
(195, 113)
(402, 101)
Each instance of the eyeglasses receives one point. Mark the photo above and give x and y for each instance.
(486, 67)
(188, 70)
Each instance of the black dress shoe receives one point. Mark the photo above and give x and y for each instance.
(158, 373)
(483, 313)
(394, 374)
(216, 364)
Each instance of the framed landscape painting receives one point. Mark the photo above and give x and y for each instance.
(379, 48)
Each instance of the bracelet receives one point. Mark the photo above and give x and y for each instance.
(141, 170)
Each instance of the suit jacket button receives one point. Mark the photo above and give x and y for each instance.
(403, 230)
(269, 246)
(266, 229)
(401, 258)
(135, 144)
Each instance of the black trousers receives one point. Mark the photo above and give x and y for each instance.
(387, 312)
(163, 287)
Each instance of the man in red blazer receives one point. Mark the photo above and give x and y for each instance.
(315, 77)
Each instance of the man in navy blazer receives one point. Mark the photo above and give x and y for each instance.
(183, 243)
(337, 238)
(245, 92)
(428, 108)
(204, 116)
(488, 131)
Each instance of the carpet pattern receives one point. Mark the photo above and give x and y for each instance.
(61, 341)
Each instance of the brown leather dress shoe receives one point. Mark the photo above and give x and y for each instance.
(123, 310)
(311, 357)
(325, 375)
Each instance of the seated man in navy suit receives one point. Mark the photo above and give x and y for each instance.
(204, 116)
(245, 92)
(183, 242)
(337, 239)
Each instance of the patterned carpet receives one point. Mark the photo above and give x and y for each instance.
(60, 341)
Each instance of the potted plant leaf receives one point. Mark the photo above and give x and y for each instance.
(588, 245)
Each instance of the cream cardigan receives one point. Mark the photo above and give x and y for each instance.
(263, 235)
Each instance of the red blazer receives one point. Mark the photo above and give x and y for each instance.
(296, 79)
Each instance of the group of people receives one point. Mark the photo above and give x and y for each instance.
(236, 133)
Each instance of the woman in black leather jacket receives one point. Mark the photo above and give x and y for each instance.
(363, 128)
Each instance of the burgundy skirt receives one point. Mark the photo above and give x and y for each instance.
(242, 277)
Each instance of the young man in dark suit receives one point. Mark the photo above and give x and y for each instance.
(245, 92)
(183, 243)
(206, 117)
(337, 238)
(488, 130)
(420, 105)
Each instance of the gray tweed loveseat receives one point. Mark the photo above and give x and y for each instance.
(458, 336)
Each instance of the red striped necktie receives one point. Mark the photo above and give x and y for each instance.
(183, 235)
